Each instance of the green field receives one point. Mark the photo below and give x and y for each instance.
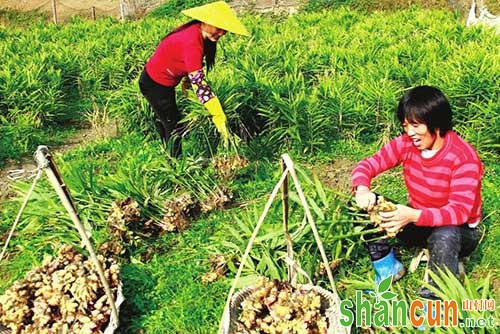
(321, 85)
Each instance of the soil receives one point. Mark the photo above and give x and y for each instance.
(337, 175)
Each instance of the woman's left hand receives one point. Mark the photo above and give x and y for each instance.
(396, 220)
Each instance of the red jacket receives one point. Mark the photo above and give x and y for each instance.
(177, 55)
(446, 187)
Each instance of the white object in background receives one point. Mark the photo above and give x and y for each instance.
(485, 17)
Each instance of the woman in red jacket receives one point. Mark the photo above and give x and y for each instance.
(442, 174)
(180, 54)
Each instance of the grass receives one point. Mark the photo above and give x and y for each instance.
(164, 292)
(162, 273)
(165, 295)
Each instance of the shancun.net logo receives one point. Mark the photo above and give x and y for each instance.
(386, 311)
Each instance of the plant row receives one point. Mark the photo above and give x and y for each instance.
(298, 82)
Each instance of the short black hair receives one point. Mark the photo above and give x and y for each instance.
(427, 105)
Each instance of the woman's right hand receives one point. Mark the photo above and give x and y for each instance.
(365, 199)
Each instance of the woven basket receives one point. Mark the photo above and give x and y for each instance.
(4, 330)
(327, 307)
(329, 299)
(113, 323)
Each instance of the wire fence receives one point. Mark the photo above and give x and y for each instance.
(62, 10)
(263, 6)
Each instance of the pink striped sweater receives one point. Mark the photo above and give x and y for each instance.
(446, 187)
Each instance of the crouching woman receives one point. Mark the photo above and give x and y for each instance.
(442, 174)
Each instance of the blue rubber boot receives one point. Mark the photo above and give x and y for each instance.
(386, 266)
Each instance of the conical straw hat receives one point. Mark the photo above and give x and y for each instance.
(218, 14)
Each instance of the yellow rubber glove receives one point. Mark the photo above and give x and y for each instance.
(218, 117)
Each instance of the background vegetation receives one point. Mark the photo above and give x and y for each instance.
(321, 85)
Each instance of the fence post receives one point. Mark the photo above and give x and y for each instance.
(93, 13)
(54, 11)
(122, 10)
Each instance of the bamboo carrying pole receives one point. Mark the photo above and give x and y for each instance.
(292, 277)
(45, 162)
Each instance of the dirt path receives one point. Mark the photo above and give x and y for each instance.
(26, 165)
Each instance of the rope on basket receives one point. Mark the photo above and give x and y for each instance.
(16, 221)
(288, 168)
(296, 268)
(302, 197)
(225, 316)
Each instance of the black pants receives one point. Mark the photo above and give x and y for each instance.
(162, 101)
(446, 244)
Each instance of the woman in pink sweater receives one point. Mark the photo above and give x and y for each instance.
(443, 176)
